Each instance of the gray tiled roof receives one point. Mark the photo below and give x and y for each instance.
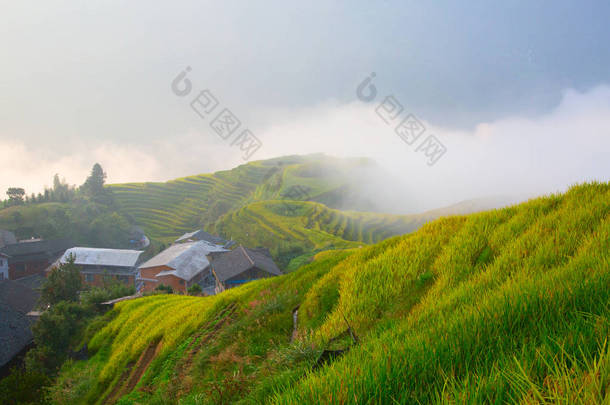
(102, 257)
(200, 234)
(46, 248)
(16, 300)
(6, 238)
(185, 260)
(241, 259)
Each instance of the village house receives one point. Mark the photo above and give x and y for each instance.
(242, 265)
(3, 267)
(179, 266)
(16, 300)
(6, 238)
(32, 257)
(201, 235)
(98, 266)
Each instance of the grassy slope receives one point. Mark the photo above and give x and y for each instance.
(502, 306)
(244, 204)
(293, 228)
(263, 203)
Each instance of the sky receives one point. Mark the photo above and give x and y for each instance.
(517, 92)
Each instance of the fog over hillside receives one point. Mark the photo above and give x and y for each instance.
(514, 158)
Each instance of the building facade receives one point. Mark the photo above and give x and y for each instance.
(179, 266)
(242, 265)
(98, 267)
(3, 267)
(33, 257)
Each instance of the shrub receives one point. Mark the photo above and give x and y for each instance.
(97, 295)
(62, 284)
(165, 288)
(194, 289)
(23, 387)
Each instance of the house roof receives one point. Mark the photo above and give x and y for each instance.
(241, 259)
(6, 238)
(35, 281)
(102, 257)
(200, 234)
(185, 260)
(16, 300)
(50, 247)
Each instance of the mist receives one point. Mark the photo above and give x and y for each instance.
(514, 158)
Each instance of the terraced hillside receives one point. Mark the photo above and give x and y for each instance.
(506, 306)
(291, 229)
(284, 204)
(166, 210)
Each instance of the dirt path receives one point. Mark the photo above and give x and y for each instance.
(133, 372)
(210, 330)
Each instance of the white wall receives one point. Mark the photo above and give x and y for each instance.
(3, 268)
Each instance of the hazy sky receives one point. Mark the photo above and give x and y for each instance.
(516, 91)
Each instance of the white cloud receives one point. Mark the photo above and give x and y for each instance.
(515, 155)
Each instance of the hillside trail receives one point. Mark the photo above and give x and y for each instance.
(208, 332)
(134, 371)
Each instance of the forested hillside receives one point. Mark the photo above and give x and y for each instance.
(509, 305)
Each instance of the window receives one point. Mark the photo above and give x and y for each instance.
(1, 276)
(1, 262)
(123, 279)
(89, 278)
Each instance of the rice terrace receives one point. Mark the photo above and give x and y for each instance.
(322, 202)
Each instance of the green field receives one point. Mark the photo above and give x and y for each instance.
(292, 229)
(505, 306)
(166, 210)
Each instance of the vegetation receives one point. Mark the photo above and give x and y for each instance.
(62, 284)
(195, 289)
(510, 305)
(87, 215)
(284, 204)
(71, 319)
(291, 229)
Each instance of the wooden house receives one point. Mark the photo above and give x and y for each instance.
(33, 257)
(98, 266)
(179, 266)
(242, 265)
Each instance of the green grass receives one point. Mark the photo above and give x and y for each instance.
(291, 229)
(168, 209)
(505, 306)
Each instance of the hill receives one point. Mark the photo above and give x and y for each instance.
(509, 305)
(295, 206)
(165, 210)
(81, 221)
(295, 230)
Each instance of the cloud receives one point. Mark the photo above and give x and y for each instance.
(512, 156)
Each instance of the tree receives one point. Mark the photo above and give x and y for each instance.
(94, 185)
(62, 284)
(55, 332)
(195, 289)
(15, 195)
